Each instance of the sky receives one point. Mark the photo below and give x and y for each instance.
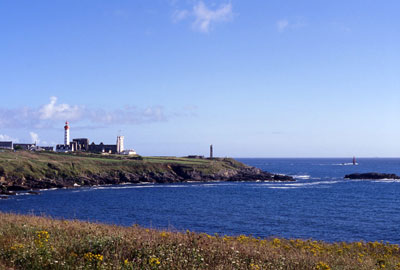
(260, 78)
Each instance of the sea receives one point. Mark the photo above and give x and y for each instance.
(320, 205)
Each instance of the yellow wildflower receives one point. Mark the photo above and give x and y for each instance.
(322, 266)
(381, 264)
(42, 236)
(98, 257)
(93, 257)
(17, 246)
(276, 242)
(254, 266)
(242, 238)
(154, 261)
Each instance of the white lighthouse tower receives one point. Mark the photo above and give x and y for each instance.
(66, 134)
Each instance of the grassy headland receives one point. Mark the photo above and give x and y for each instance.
(28, 242)
(23, 170)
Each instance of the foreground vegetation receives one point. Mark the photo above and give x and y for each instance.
(28, 242)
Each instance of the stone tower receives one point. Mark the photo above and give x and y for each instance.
(120, 144)
(211, 151)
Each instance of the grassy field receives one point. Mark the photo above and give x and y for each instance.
(28, 242)
(25, 165)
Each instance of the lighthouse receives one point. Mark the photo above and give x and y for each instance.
(66, 134)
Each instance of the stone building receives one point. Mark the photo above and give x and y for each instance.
(47, 148)
(42, 148)
(24, 146)
(82, 144)
(103, 148)
(6, 145)
(65, 147)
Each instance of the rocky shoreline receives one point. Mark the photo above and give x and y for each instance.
(371, 175)
(171, 173)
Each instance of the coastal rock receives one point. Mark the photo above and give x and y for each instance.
(8, 193)
(175, 175)
(34, 171)
(372, 175)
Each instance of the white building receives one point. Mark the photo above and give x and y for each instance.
(128, 152)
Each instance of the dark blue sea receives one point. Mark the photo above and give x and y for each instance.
(321, 204)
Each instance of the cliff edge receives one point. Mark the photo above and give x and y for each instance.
(24, 170)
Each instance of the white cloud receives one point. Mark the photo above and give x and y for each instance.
(282, 25)
(54, 111)
(180, 15)
(4, 137)
(205, 17)
(128, 115)
(34, 137)
(52, 114)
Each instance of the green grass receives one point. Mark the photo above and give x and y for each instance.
(24, 165)
(175, 160)
(28, 242)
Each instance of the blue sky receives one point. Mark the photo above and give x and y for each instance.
(254, 78)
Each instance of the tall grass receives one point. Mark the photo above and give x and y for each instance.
(29, 242)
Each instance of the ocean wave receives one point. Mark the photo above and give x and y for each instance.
(312, 183)
(386, 180)
(211, 185)
(123, 187)
(282, 187)
(80, 190)
(46, 189)
(318, 184)
(304, 177)
(194, 184)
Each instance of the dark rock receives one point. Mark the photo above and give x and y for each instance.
(372, 175)
(6, 192)
(280, 177)
(17, 188)
(172, 173)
